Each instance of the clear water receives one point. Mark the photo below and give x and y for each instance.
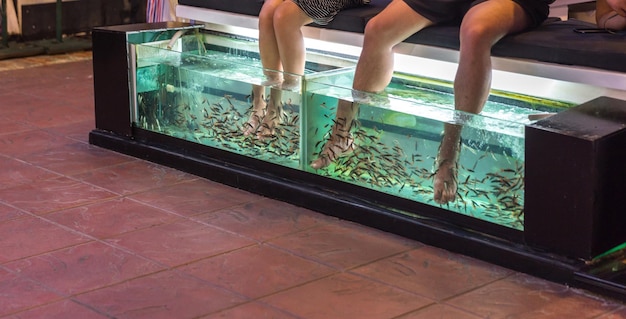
(205, 109)
(396, 154)
(204, 96)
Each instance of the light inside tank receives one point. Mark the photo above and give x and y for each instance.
(200, 90)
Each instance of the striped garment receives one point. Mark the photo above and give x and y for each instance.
(324, 11)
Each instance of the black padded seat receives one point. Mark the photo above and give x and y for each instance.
(355, 19)
(558, 43)
(554, 41)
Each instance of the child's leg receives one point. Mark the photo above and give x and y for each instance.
(268, 45)
(288, 22)
(270, 59)
(273, 115)
(258, 110)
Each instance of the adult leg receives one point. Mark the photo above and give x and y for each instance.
(373, 72)
(382, 33)
(609, 17)
(483, 26)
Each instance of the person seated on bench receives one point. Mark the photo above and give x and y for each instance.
(611, 14)
(281, 47)
(482, 24)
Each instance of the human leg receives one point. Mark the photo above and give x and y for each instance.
(270, 59)
(483, 26)
(273, 115)
(268, 44)
(288, 22)
(373, 72)
(258, 110)
(382, 33)
(279, 28)
(340, 142)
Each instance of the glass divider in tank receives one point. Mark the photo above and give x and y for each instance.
(134, 117)
(396, 153)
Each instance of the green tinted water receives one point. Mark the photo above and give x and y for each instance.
(205, 97)
(192, 103)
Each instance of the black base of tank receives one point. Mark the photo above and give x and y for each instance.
(321, 196)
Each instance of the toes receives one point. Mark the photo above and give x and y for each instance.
(266, 130)
(332, 151)
(444, 185)
(320, 163)
(248, 128)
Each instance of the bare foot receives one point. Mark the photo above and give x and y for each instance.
(259, 106)
(267, 129)
(291, 85)
(337, 146)
(445, 182)
(254, 122)
(271, 120)
(272, 82)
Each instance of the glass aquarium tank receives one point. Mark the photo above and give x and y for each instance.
(397, 135)
(198, 86)
(538, 181)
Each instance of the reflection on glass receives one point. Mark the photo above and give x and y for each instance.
(398, 134)
(200, 90)
(204, 94)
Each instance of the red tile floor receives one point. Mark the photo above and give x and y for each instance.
(89, 233)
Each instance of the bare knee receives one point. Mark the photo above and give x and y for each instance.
(266, 18)
(476, 36)
(374, 26)
(281, 18)
(289, 18)
(376, 36)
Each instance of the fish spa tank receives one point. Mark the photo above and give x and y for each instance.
(536, 178)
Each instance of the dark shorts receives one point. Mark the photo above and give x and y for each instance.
(324, 11)
(439, 11)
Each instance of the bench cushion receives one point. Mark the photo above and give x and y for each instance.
(554, 41)
(558, 43)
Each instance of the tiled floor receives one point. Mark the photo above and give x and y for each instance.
(90, 233)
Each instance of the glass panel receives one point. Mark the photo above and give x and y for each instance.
(398, 134)
(200, 88)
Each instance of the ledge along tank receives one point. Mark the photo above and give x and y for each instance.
(197, 87)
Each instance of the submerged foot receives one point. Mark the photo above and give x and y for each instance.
(267, 129)
(259, 106)
(445, 182)
(291, 85)
(337, 146)
(373, 99)
(271, 120)
(272, 82)
(253, 123)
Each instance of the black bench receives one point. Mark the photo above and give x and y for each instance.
(555, 41)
